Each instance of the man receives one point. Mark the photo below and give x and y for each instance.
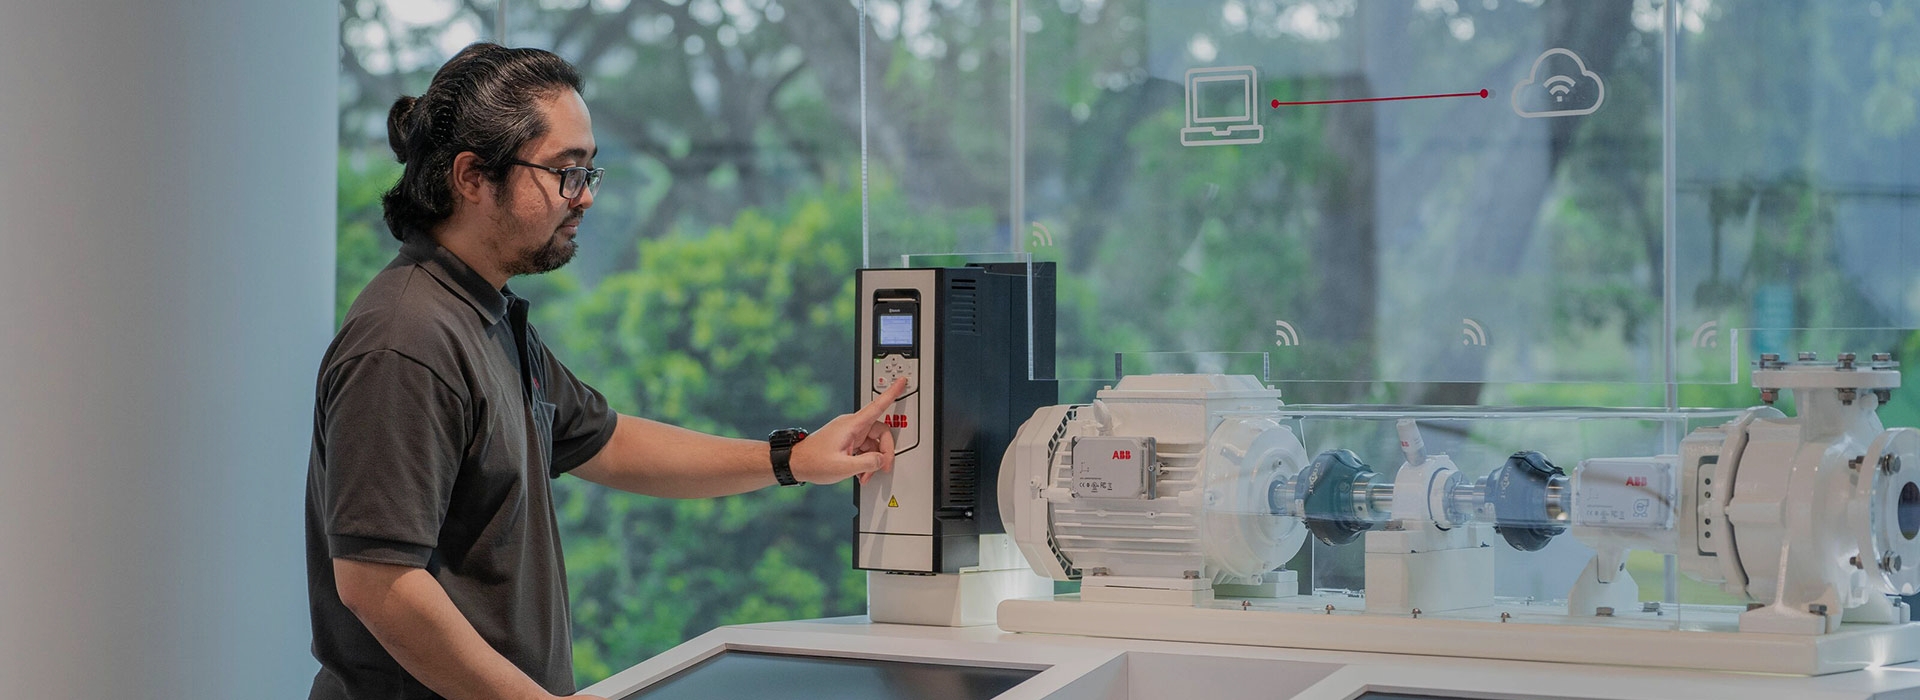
(433, 557)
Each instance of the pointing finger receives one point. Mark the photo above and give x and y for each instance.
(881, 403)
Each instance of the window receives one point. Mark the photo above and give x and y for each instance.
(1642, 200)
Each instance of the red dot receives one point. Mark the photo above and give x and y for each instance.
(1276, 104)
(1483, 93)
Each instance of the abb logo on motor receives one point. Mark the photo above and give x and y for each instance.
(895, 420)
(1636, 481)
(1123, 454)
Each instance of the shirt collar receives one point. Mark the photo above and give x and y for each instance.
(457, 275)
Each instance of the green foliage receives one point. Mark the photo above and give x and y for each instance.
(737, 331)
(363, 246)
(739, 328)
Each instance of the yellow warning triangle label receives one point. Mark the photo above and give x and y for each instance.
(893, 502)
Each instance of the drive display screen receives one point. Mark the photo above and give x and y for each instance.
(734, 675)
(896, 330)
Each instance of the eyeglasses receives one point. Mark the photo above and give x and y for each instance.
(572, 180)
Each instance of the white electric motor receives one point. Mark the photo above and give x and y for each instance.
(1144, 494)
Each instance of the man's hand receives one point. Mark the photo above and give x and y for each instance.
(853, 444)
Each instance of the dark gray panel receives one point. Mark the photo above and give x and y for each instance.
(744, 674)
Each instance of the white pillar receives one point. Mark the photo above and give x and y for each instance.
(167, 180)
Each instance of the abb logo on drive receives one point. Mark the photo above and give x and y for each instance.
(896, 420)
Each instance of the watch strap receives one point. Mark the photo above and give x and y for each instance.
(781, 444)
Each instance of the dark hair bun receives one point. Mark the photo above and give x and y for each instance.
(397, 126)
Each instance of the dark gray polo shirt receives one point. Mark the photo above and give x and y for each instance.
(440, 421)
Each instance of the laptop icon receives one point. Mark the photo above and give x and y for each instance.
(1220, 104)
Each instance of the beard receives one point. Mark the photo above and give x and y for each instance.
(551, 255)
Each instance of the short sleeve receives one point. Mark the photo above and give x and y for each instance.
(582, 422)
(393, 434)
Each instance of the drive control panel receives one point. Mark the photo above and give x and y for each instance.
(896, 356)
(959, 338)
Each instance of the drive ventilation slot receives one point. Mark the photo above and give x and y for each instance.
(963, 479)
(963, 307)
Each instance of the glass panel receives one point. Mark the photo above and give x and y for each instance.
(1493, 244)
(713, 291)
(936, 129)
(1325, 182)
(1796, 125)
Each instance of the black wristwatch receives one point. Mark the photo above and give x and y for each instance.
(783, 441)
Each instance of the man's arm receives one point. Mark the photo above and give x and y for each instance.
(411, 615)
(657, 459)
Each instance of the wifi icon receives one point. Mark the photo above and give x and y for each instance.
(1558, 86)
(1041, 237)
(1707, 335)
(1284, 335)
(1475, 335)
(1569, 89)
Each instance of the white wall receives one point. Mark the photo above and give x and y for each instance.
(167, 179)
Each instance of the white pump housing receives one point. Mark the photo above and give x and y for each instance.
(1821, 511)
(1815, 517)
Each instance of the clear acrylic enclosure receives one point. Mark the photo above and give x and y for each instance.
(1569, 227)
(1527, 586)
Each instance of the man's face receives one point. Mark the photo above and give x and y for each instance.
(534, 226)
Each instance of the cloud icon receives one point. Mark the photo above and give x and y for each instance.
(1564, 89)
